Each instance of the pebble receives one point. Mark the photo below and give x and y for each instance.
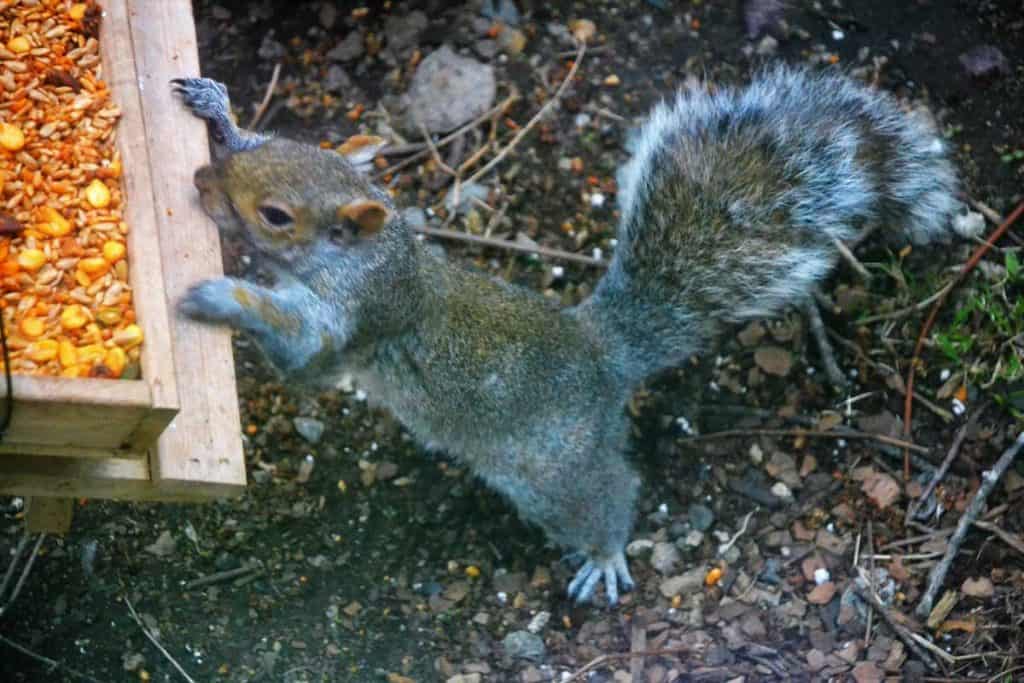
(780, 490)
(774, 360)
(336, 80)
(465, 678)
(685, 583)
(701, 517)
(665, 558)
(822, 594)
(449, 90)
(309, 428)
(538, 622)
(694, 539)
(347, 50)
(639, 547)
(822, 575)
(978, 588)
(523, 645)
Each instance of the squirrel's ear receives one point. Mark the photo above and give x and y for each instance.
(368, 215)
(360, 150)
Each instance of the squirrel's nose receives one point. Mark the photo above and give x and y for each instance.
(204, 178)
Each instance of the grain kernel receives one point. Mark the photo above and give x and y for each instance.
(11, 137)
(77, 11)
(128, 337)
(52, 223)
(115, 360)
(109, 316)
(31, 260)
(19, 45)
(73, 317)
(94, 266)
(43, 350)
(97, 194)
(90, 355)
(67, 353)
(113, 251)
(32, 327)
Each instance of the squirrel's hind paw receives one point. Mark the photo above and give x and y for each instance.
(207, 98)
(613, 571)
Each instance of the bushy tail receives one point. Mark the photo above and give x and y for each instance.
(732, 202)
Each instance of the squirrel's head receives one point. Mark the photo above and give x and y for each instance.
(291, 199)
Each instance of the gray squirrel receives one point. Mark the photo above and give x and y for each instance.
(730, 209)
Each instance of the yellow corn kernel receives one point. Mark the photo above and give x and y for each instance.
(109, 316)
(52, 223)
(113, 251)
(94, 266)
(11, 137)
(19, 44)
(90, 355)
(115, 360)
(67, 353)
(97, 194)
(32, 327)
(77, 11)
(31, 259)
(73, 317)
(128, 337)
(69, 372)
(82, 278)
(43, 350)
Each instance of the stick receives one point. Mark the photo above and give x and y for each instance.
(958, 441)
(24, 572)
(908, 403)
(604, 659)
(511, 246)
(854, 262)
(901, 631)
(221, 576)
(262, 109)
(53, 664)
(989, 480)
(135, 615)
(919, 306)
(536, 117)
(724, 548)
(845, 434)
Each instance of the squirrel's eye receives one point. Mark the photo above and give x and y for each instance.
(276, 216)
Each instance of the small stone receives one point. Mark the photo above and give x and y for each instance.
(309, 428)
(822, 594)
(701, 517)
(402, 30)
(541, 578)
(639, 547)
(465, 678)
(821, 576)
(881, 489)
(811, 566)
(780, 490)
(983, 61)
(349, 49)
(665, 558)
(815, 660)
(767, 47)
(163, 546)
(693, 539)
(753, 626)
(336, 80)
(449, 90)
(509, 582)
(270, 49)
(328, 15)
(386, 471)
(683, 584)
(978, 588)
(808, 465)
(751, 335)
(801, 532)
(774, 360)
(830, 542)
(523, 645)
(539, 621)
(512, 41)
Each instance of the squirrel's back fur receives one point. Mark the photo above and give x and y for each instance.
(732, 202)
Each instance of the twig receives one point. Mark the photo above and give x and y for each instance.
(24, 572)
(53, 664)
(616, 656)
(433, 149)
(1012, 540)
(536, 117)
(901, 631)
(908, 403)
(848, 256)
(135, 615)
(265, 102)
(988, 482)
(871, 583)
(986, 210)
(511, 246)
(638, 643)
(845, 434)
(724, 548)
(958, 441)
(222, 576)
(919, 306)
(451, 137)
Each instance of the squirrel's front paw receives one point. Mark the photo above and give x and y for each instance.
(208, 100)
(612, 570)
(213, 301)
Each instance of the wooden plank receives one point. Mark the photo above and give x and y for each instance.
(49, 515)
(203, 445)
(146, 272)
(58, 414)
(110, 478)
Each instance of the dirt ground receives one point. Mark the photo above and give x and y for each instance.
(392, 564)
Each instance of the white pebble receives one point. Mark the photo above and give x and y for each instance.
(582, 120)
(821, 576)
(597, 200)
(502, 597)
(838, 35)
(557, 272)
(841, 443)
(684, 425)
(663, 509)
(360, 395)
(780, 490)
(958, 407)
(944, 375)
(597, 253)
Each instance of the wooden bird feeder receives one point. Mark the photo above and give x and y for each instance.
(173, 434)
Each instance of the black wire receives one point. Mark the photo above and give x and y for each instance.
(9, 402)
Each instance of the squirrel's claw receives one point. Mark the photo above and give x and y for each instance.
(613, 571)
